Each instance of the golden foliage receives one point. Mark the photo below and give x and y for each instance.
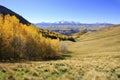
(55, 35)
(19, 41)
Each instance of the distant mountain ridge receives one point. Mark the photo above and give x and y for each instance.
(5, 11)
(72, 23)
(71, 27)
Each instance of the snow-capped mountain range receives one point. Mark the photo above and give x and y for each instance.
(71, 23)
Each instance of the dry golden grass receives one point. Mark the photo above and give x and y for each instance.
(95, 56)
(90, 67)
(106, 40)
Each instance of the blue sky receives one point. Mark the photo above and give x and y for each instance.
(84, 11)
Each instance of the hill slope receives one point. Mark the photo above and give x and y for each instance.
(104, 40)
(5, 11)
(95, 56)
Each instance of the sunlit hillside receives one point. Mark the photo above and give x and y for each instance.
(94, 56)
(104, 40)
(59, 40)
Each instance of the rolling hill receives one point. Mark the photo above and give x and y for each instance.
(104, 40)
(95, 56)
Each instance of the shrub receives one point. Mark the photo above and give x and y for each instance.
(19, 41)
(63, 48)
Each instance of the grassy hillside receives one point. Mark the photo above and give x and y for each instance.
(95, 56)
(104, 40)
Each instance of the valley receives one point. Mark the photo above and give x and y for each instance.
(57, 51)
(70, 28)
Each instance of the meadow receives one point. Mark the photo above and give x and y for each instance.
(94, 56)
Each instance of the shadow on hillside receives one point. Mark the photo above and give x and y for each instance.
(61, 57)
(66, 55)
